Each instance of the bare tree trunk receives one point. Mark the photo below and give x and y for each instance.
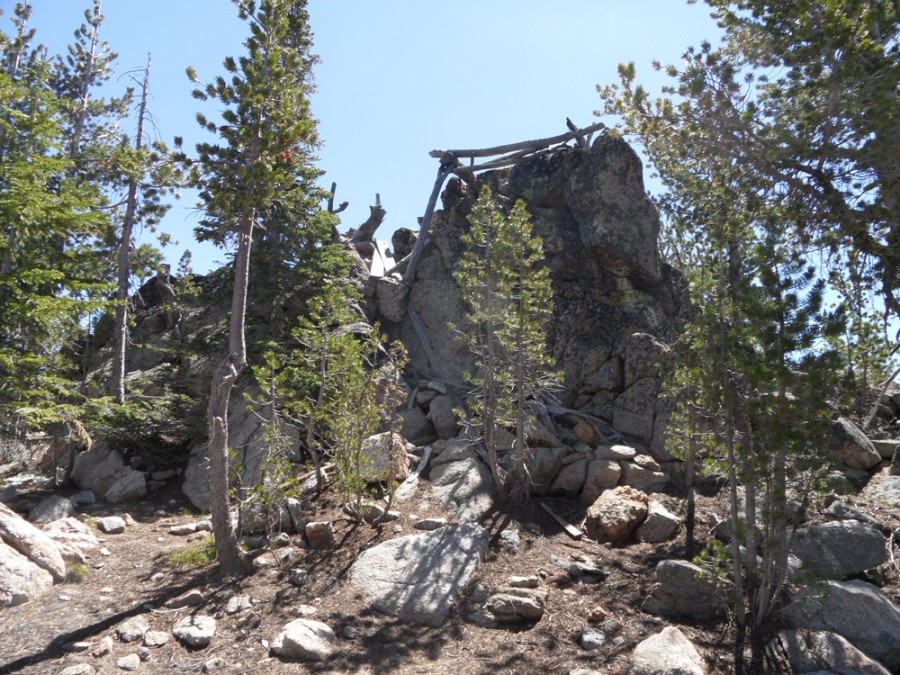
(117, 385)
(231, 559)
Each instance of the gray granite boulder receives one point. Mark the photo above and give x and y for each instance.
(32, 543)
(858, 611)
(418, 577)
(684, 590)
(52, 508)
(668, 652)
(851, 446)
(20, 579)
(811, 651)
(839, 549)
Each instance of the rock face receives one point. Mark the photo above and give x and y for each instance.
(615, 304)
(858, 611)
(417, 577)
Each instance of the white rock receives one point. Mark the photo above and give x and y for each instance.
(666, 653)
(111, 525)
(195, 631)
(130, 662)
(305, 639)
(32, 543)
(20, 579)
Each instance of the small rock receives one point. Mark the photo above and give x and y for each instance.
(351, 633)
(659, 525)
(304, 610)
(103, 647)
(214, 664)
(666, 652)
(76, 647)
(143, 653)
(592, 638)
(130, 662)
(84, 498)
(111, 525)
(183, 530)
(598, 614)
(133, 629)
(515, 604)
(305, 639)
(104, 551)
(196, 630)
(238, 603)
(298, 577)
(532, 581)
(155, 638)
(320, 534)
(430, 524)
(157, 577)
(264, 562)
(78, 669)
(510, 539)
(193, 598)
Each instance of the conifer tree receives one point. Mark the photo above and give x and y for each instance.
(44, 213)
(503, 279)
(752, 373)
(258, 174)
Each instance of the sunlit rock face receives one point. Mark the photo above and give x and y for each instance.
(616, 306)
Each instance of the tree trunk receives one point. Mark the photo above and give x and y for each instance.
(231, 559)
(117, 385)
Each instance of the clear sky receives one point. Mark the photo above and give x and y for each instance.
(398, 78)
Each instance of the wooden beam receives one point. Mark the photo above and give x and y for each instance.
(522, 145)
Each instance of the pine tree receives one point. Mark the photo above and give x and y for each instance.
(755, 357)
(44, 214)
(259, 175)
(503, 279)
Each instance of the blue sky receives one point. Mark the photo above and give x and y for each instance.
(398, 78)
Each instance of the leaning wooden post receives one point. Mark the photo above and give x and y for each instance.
(448, 164)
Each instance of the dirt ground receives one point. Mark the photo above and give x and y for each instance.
(137, 578)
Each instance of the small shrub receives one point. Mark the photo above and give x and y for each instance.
(197, 555)
(77, 573)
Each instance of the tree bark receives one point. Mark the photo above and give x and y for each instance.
(117, 385)
(231, 559)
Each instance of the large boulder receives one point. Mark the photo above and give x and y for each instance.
(839, 549)
(384, 458)
(684, 590)
(616, 514)
(32, 543)
(858, 611)
(418, 577)
(814, 651)
(103, 471)
(851, 446)
(20, 579)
